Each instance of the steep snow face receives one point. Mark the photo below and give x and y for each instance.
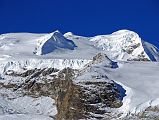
(122, 45)
(31, 45)
(26, 50)
(53, 41)
(151, 51)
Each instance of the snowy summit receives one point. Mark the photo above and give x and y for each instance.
(120, 45)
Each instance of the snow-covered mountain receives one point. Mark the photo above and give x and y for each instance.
(55, 76)
(121, 45)
(51, 42)
(26, 50)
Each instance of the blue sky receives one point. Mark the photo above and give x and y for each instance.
(82, 17)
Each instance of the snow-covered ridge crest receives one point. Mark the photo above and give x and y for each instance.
(122, 45)
(51, 42)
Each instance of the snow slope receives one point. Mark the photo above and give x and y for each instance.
(151, 50)
(21, 51)
(139, 79)
(120, 45)
(51, 42)
(119, 42)
(26, 50)
(24, 117)
(141, 82)
(13, 107)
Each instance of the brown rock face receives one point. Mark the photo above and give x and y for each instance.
(74, 101)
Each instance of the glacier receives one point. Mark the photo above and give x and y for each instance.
(122, 45)
(128, 60)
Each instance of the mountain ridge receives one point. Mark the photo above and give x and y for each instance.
(103, 77)
(120, 45)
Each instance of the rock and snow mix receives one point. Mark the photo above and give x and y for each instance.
(13, 106)
(50, 76)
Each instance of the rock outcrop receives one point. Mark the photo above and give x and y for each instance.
(74, 100)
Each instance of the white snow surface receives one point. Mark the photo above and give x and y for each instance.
(21, 64)
(27, 50)
(51, 42)
(119, 41)
(13, 107)
(24, 117)
(141, 82)
(116, 45)
(69, 46)
(20, 51)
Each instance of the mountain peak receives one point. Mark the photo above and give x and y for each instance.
(123, 31)
(53, 41)
(120, 45)
(56, 31)
(68, 34)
